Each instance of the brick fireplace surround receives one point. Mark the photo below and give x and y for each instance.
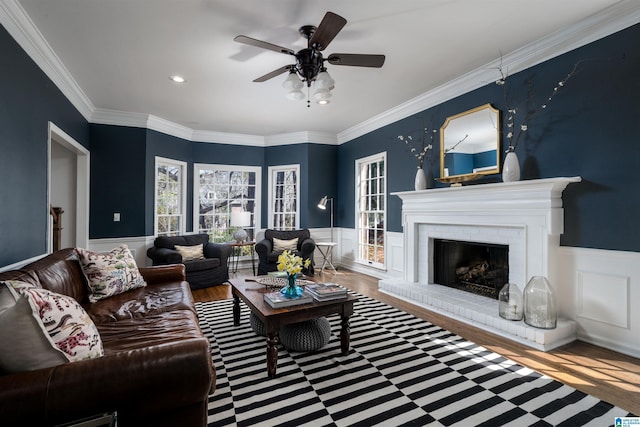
(525, 215)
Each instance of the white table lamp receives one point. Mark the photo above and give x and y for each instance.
(240, 219)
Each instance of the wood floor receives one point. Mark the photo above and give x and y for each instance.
(603, 373)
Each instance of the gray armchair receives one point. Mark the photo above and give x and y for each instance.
(268, 258)
(201, 273)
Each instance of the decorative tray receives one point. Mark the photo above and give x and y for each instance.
(272, 282)
(279, 282)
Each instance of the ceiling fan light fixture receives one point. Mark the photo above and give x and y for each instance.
(295, 95)
(324, 80)
(292, 83)
(322, 95)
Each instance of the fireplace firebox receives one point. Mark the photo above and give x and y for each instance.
(479, 268)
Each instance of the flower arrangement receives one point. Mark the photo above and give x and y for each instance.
(290, 263)
(424, 147)
(517, 125)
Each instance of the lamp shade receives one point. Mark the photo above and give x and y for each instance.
(292, 83)
(324, 81)
(295, 95)
(322, 204)
(240, 219)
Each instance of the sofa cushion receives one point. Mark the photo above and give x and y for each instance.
(201, 264)
(60, 272)
(153, 330)
(142, 302)
(169, 242)
(41, 329)
(109, 273)
(280, 245)
(191, 253)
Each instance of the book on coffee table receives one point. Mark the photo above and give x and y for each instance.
(326, 291)
(277, 300)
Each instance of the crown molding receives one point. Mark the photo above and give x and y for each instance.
(228, 138)
(611, 20)
(17, 23)
(169, 128)
(118, 118)
(301, 137)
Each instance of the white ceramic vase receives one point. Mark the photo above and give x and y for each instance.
(511, 167)
(421, 180)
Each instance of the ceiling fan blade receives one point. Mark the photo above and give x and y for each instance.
(356, 59)
(264, 45)
(273, 74)
(329, 27)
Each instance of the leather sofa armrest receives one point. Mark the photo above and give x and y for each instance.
(163, 273)
(218, 250)
(23, 397)
(163, 256)
(264, 248)
(135, 382)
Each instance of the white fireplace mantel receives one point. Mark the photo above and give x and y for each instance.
(526, 215)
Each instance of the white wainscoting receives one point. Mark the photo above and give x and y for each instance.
(606, 289)
(345, 254)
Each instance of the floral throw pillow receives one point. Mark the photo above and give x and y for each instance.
(41, 329)
(109, 273)
(285, 245)
(191, 253)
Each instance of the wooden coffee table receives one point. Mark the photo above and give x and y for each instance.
(251, 293)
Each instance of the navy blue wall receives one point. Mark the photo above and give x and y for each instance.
(28, 101)
(590, 129)
(323, 181)
(130, 153)
(118, 176)
(170, 147)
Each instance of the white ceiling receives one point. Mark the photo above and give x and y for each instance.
(120, 53)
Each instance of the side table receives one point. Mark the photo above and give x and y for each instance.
(327, 254)
(237, 251)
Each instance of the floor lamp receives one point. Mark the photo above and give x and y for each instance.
(323, 205)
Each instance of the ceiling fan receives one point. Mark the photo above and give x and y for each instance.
(309, 65)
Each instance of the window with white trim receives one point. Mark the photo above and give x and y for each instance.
(371, 192)
(218, 189)
(284, 203)
(170, 203)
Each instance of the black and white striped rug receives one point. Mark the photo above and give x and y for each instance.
(401, 370)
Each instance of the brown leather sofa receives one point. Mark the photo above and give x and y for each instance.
(156, 369)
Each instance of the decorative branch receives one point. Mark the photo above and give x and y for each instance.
(513, 135)
(424, 147)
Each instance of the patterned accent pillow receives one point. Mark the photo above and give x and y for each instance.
(41, 329)
(109, 273)
(191, 253)
(285, 245)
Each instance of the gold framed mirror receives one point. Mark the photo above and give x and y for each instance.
(470, 145)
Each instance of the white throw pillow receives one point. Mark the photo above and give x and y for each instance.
(41, 329)
(191, 253)
(285, 245)
(110, 273)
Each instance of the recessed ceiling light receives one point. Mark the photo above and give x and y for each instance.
(177, 79)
